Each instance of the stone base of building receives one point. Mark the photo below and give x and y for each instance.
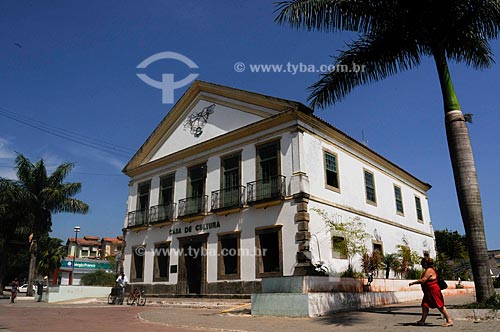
(221, 289)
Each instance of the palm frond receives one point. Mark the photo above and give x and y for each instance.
(13, 193)
(39, 175)
(471, 50)
(60, 173)
(328, 15)
(460, 29)
(71, 189)
(380, 55)
(71, 205)
(24, 169)
(52, 196)
(482, 18)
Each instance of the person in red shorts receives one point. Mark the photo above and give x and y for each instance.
(433, 298)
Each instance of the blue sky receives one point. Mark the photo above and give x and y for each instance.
(72, 65)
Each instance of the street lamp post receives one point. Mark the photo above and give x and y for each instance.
(76, 229)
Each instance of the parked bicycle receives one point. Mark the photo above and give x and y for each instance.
(116, 296)
(137, 296)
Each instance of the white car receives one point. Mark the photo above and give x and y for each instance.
(24, 288)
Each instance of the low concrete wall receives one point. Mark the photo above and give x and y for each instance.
(66, 293)
(319, 304)
(310, 296)
(318, 284)
(396, 285)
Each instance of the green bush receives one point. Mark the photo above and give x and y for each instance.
(463, 275)
(351, 273)
(414, 274)
(98, 278)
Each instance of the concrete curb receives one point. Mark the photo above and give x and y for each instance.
(180, 303)
(474, 314)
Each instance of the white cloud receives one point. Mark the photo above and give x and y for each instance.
(8, 173)
(99, 156)
(7, 157)
(51, 161)
(5, 151)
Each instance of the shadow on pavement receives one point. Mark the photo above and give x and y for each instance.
(415, 324)
(342, 319)
(352, 318)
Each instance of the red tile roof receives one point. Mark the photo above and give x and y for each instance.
(83, 242)
(112, 240)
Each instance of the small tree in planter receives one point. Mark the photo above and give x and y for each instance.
(353, 237)
(371, 263)
(408, 259)
(390, 262)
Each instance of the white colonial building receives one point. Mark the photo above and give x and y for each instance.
(224, 191)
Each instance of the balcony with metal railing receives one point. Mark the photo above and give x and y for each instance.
(228, 198)
(270, 189)
(192, 206)
(137, 218)
(162, 213)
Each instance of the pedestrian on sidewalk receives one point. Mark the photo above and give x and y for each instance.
(433, 297)
(14, 289)
(122, 282)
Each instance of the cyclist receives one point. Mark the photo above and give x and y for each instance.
(121, 282)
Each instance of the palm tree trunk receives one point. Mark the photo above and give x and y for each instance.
(466, 182)
(31, 273)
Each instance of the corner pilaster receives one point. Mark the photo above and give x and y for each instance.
(302, 236)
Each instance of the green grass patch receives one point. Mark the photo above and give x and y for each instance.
(491, 303)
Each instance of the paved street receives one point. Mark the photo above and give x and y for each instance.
(96, 317)
(29, 316)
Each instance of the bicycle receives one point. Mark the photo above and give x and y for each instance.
(116, 296)
(137, 296)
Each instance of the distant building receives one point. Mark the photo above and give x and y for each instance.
(86, 255)
(85, 247)
(93, 247)
(221, 195)
(110, 247)
(494, 256)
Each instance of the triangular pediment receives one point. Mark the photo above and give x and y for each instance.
(204, 112)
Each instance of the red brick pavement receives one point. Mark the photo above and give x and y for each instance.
(40, 317)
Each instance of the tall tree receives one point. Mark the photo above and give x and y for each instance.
(452, 244)
(39, 195)
(13, 235)
(394, 36)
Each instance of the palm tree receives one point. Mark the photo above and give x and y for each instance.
(50, 253)
(394, 36)
(39, 195)
(390, 262)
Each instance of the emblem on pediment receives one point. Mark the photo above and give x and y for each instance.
(196, 121)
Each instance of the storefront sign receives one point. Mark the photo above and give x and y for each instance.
(197, 228)
(86, 265)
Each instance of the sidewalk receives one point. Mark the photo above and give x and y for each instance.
(397, 317)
